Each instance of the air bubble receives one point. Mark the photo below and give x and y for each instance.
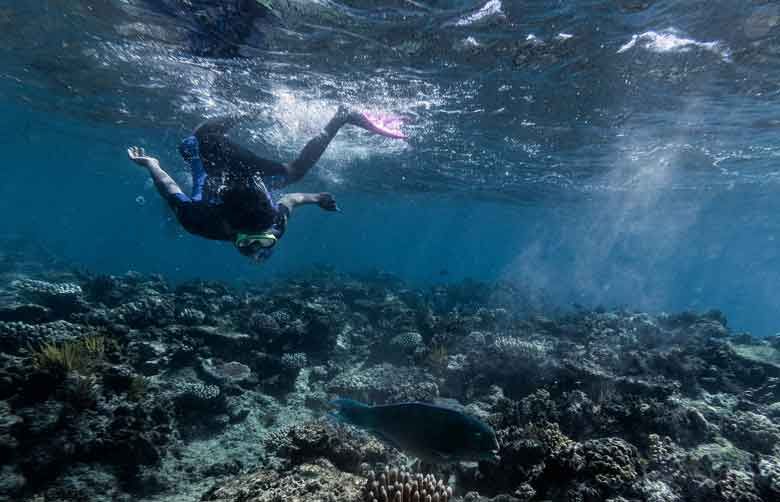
(140, 200)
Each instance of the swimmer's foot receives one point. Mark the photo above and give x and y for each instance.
(384, 125)
(138, 155)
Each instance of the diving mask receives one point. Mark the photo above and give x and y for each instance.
(265, 240)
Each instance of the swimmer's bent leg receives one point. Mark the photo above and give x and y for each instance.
(316, 146)
(220, 154)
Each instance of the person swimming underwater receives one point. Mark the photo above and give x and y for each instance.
(230, 198)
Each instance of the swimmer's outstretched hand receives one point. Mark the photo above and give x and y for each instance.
(138, 155)
(327, 202)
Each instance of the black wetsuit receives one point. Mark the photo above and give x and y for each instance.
(217, 161)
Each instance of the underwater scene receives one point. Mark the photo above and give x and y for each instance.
(390, 250)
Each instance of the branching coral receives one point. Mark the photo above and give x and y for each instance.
(393, 485)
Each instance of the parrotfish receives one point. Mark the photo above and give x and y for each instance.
(432, 433)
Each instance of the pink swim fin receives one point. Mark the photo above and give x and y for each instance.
(386, 125)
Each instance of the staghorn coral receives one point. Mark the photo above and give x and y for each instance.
(393, 485)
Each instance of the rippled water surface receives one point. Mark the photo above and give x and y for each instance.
(620, 151)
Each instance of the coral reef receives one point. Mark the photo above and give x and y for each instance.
(128, 388)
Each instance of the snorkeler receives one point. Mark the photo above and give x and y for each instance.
(230, 199)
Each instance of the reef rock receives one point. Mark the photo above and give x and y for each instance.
(344, 447)
(312, 482)
(768, 477)
(223, 373)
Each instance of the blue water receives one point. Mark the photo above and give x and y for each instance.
(597, 152)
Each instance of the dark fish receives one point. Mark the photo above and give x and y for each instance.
(434, 434)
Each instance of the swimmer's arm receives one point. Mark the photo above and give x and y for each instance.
(162, 181)
(324, 200)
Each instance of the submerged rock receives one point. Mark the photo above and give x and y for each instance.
(28, 313)
(223, 373)
(12, 483)
(345, 448)
(10, 426)
(768, 477)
